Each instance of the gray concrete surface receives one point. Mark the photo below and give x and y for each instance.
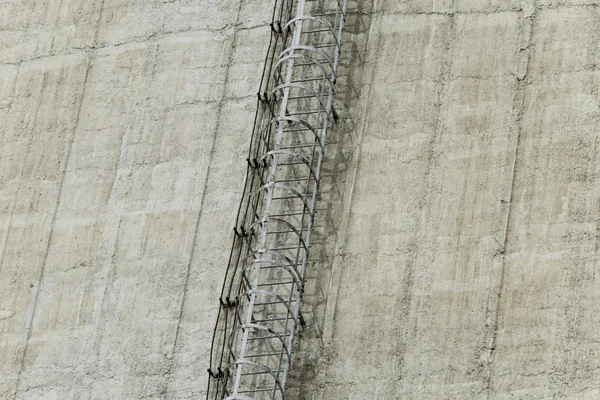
(457, 249)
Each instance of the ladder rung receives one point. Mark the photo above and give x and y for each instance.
(279, 232)
(299, 130)
(304, 97)
(266, 337)
(263, 355)
(287, 248)
(305, 113)
(273, 266)
(311, 64)
(276, 283)
(260, 373)
(290, 214)
(327, 12)
(316, 30)
(323, 46)
(270, 303)
(256, 390)
(290, 197)
(292, 180)
(300, 146)
(310, 80)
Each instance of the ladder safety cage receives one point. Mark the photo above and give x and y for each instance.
(261, 296)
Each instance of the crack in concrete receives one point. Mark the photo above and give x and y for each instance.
(523, 61)
(228, 29)
(188, 267)
(425, 201)
(497, 10)
(51, 224)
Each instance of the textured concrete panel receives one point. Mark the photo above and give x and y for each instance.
(445, 288)
(112, 140)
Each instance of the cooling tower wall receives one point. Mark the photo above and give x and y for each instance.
(455, 252)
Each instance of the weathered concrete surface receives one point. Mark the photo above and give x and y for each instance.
(124, 129)
(457, 249)
(466, 262)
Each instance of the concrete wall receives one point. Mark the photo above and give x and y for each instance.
(467, 265)
(124, 131)
(457, 249)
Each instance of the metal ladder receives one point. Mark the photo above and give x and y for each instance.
(262, 292)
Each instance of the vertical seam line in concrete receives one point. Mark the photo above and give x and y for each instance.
(188, 269)
(111, 249)
(447, 63)
(8, 225)
(24, 161)
(13, 95)
(34, 119)
(521, 85)
(14, 87)
(63, 173)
